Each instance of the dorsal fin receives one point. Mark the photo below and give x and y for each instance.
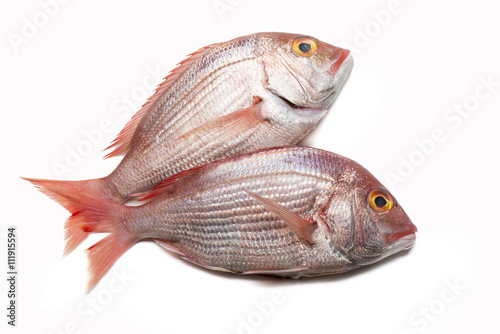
(122, 142)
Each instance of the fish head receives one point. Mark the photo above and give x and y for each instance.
(304, 71)
(365, 220)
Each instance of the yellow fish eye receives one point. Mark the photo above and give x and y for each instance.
(304, 47)
(380, 200)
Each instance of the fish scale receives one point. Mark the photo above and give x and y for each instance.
(209, 218)
(191, 83)
(225, 99)
(199, 73)
(263, 212)
(259, 232)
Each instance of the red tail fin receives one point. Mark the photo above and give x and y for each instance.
(62, 191)
(103, 255)
(89, 215)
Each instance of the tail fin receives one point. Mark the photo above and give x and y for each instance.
(61, 191)
(71, 194)
(89, 215)
(103, 255)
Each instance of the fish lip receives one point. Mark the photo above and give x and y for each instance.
(345, 61)
(340, 70)
(401, 244)
(391, 237)
(410, 239)
(407, 241)
(340, 76)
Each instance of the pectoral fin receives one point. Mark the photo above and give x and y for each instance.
(301, 226)
(224, 129)
(228, 126)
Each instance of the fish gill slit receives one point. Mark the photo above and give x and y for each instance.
(353, 229)
(285, 63)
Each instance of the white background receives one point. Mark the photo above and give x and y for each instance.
(415, 65)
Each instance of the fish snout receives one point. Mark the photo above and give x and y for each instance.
(345, 59)
(409, 230)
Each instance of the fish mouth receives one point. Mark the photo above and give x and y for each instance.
(344, 60)
(340, 70)
(403, 243)
(392, 237)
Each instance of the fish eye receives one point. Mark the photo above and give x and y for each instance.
(304, 47)
(380, 200)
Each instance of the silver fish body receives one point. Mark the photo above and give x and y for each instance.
(292, 211)
(230, 98)
(253, 92)
(210, 218)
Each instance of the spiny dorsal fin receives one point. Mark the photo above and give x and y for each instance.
(122, 142)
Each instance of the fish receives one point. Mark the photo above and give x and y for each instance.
(289, 212)
(253, 92)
